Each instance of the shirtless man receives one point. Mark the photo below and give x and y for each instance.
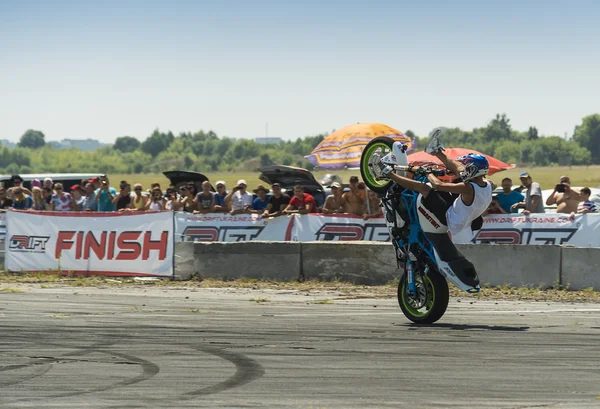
(334, 203)
(355, 198)
(564, 197)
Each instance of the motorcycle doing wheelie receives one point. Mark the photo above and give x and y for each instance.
(423, 247)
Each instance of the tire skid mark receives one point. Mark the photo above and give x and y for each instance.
(149, 369)
(39, 370)
(247, 370)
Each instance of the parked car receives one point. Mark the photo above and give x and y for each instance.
(179, 178)
(289, 176)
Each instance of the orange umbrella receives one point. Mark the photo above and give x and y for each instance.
(342, 149)
(422, 158)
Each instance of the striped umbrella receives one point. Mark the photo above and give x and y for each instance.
(342, 149)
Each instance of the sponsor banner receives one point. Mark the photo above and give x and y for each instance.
(2, 225)
(344, 227)
(224, 227)
(136, 244)
(548, 228)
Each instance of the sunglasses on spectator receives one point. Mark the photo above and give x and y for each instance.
(138, 189)
(58, 188)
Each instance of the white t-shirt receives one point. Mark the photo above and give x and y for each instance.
(239, 201)
(459, 215)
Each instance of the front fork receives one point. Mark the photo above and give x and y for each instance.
(409, 270)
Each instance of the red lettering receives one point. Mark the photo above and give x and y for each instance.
(160, 245)
(111, 245)
(90, 243)
(63, 242)
(130, 248)
(78, 245)
(429, 218)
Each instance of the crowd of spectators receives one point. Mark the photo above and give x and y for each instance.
(98, 195)
(528, 196)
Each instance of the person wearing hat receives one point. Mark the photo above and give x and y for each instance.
(17, 182)
(259, 205)
(48, 183)
(241, 200)
(335, 203)
(277, 202)
(533, 196)
(79, 197)
(221, 204)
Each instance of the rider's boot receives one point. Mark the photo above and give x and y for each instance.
(435, 145)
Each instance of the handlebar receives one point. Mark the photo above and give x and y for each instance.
(423, 170)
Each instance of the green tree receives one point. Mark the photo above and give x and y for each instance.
(532, 133)
(157, 142)
(32, 139)
(588, 135)
(126, 144)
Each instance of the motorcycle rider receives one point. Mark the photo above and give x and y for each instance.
(474, 191)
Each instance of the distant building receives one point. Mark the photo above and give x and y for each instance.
(81, 144)
(7, 143)
(264, 141)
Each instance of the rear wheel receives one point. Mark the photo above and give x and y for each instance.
(381, 146)
(431, 301)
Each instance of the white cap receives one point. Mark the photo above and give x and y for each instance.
(220, 182)
(48, 180)
(242, 182)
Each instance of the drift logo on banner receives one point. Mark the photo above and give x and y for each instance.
(524, 236)
(28, 244)
(110, 245)
(352, 232)
(223, 233)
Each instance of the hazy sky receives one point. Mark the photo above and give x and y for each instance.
(103, 69)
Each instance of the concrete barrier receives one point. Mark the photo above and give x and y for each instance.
(581, 268)
(518, 265)
(184, 261)
(253, 259)
(370, 263)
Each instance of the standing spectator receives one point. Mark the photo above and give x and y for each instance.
(156, 202)
(35, 183)
(104, 196)
(221, 204)
(38, 200)
(139, 200)
(241, 200)
(495, 207)
(48, 183)
(301, 203)
(90, 204)
(21, 201)
(5, 202)
(61, 201)
(173, 200)
(334, 203)
(533, 196)
(277, 203)
(259, 205)
(508, 197)
(372, 208)
(47, 196)
(355, 198)
(122, 201)
(187, 203)
(17, 182)
(565, 198)
(205, 200)
(79, 197)
(586, 206)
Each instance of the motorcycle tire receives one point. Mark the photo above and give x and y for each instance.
(437, 298)
(384, 144)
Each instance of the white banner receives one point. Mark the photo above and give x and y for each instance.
(549, 228)
(224, 227)
(123, 244)
(343, 227)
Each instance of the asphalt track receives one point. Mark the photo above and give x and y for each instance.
(167, 348)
